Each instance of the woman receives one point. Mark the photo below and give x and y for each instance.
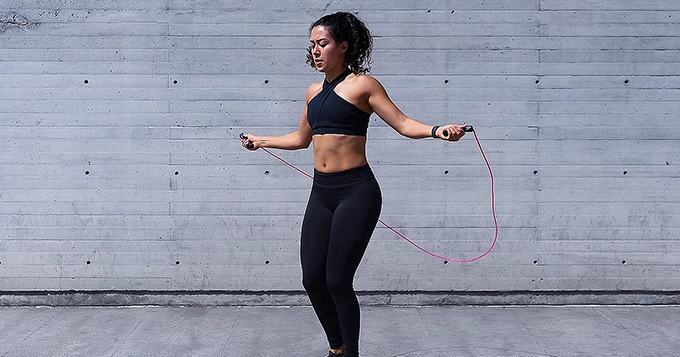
(345, 200)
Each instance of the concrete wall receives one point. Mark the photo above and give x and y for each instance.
(120, 167)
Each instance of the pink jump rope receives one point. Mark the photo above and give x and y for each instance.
(468, 128)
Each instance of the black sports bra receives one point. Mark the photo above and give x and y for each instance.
(328, 113)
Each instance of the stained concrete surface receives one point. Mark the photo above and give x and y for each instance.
(386, 331)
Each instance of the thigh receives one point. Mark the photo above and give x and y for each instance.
(316, 228)
(354, 221)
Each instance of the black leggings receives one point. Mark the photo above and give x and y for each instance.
(341, 215)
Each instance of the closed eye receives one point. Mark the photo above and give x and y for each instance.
(321, 43)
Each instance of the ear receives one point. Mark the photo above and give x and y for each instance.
(344, 46)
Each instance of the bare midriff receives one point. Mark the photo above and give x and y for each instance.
(338, 152)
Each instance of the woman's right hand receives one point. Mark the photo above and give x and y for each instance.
(250, 142)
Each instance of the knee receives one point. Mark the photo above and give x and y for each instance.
(312, 282)
(339, 286)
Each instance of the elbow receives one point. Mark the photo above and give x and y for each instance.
(301, 143)
(405, 127)
(305, 144)
(407, 132)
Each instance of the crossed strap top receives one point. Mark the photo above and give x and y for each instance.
(328, 113)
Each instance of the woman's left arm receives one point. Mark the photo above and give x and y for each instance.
(382, 105)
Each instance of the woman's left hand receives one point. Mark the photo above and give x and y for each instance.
(451, 132)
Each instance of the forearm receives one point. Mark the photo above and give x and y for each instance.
(290, 141)
(414, 129)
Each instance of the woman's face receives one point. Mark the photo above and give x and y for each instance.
(327, 53)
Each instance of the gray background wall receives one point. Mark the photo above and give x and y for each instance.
(120, 167)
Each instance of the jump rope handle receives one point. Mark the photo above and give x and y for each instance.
(467, 128)
(249, 145)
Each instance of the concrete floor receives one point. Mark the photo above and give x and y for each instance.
(386, 331)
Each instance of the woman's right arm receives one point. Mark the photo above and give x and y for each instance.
(299, 139)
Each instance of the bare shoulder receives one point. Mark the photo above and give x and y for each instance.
(366, 80)
(367, 84)
(313, 90)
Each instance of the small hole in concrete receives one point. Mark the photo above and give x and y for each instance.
(88, 262)
(177, 262)
(623, 262)
(446, 172)
(266, 172)
(86, 81)
(535, 262)
(87, 172)
(626, 82)
(174, 82)
(446, 81)
(535, 172)
(176, 173)
(625, 173)
(266, 81)
(266, 262)
(446, 262)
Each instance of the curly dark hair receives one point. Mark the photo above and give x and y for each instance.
(344, 26)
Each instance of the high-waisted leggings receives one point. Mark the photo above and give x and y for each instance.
(341, 215)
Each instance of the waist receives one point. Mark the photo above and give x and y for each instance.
(335, 153)
(344, 178)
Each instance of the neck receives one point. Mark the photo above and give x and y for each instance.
(333, 74)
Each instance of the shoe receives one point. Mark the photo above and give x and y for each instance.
(331, 354)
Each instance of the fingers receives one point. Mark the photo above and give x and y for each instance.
(246, 142)
(453, 132)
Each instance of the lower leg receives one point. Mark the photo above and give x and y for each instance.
(337, 351)
(349, 319)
